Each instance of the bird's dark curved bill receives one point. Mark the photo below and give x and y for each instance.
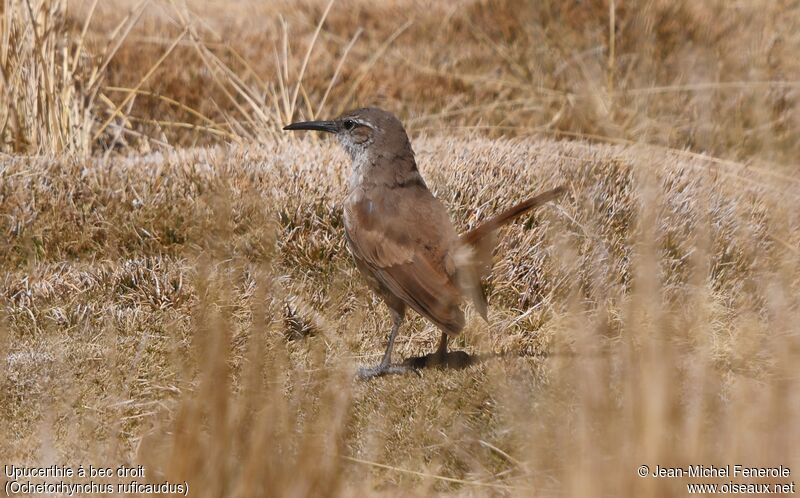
(329, 126)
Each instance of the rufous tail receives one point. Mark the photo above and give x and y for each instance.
(474, 258)
(507, 216)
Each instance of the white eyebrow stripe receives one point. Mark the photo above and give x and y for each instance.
(359, 122)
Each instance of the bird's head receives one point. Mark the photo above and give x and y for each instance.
(363, 132)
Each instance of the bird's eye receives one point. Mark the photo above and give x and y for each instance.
(349, 124)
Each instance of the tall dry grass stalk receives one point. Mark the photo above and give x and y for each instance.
(716, 78)
(50, 82)
(256, 108)
(46, 96)
(56, 98)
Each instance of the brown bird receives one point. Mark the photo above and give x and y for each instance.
(401, 236)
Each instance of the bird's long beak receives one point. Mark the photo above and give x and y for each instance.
(329, 126)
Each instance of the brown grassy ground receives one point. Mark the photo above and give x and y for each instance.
(194, 310)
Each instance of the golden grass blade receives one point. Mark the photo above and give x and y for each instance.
(188, 126)
(304, 64)
(34, 24)
(280, 97)
(215, 64)
(612, 44)
(5, 34)
(367, 66)
(118, 36)
(242, 90)
(126, 123)
(142, 81)
(250, 71)
(210, 63)
(166, 99)
(284, 67)
(336, 72)
(79, 48)
(306, 100)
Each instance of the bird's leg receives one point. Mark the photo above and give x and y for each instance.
(441, 352)
(385, 366)
(448, 359)
(387, 356)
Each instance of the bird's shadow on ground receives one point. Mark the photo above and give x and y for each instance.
(458, 360)
(453, 360)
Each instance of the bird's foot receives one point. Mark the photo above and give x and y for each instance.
(452, 359)
(365, 373)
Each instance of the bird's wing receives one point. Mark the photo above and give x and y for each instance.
(406, 242)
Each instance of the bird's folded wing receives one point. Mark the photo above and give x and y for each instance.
(410, 267)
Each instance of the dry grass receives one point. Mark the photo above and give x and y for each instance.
(717, 78)
(155, 310)
(194, 310)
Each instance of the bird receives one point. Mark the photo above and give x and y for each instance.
(401, 236)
